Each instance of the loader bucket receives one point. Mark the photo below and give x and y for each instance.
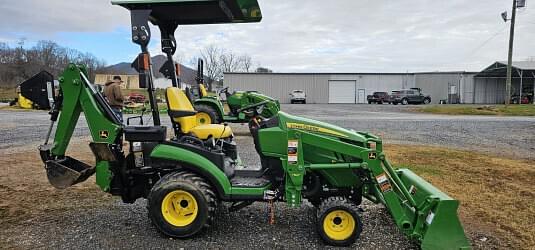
(66, 172)
(438, 225)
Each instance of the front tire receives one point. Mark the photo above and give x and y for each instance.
(427, 101)
(207, 114)
(338, 223)
(404, 102)
(181, 204)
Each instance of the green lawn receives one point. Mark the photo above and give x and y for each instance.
(498, 110)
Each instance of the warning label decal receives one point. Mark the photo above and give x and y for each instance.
(384, 183)
(292, 151)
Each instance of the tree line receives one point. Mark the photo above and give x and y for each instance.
(19, 63)
(218, 61)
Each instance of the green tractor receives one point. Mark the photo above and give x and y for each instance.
(211, 109)
(186, 177)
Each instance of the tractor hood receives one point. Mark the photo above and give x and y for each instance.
(309, 125)
(254, 94)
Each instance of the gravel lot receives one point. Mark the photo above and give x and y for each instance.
(507, 136)
(117, 225)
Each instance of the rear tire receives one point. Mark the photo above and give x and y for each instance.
(181, 204)
(404, 101)
(427, 101)
(207, 114)
(338, 223)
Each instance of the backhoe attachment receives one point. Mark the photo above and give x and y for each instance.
(78, 95)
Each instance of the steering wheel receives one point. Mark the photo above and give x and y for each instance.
(223, 90)
(254, 109)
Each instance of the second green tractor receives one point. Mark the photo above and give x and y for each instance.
(211, 108)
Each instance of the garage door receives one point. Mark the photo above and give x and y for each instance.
(342, 91)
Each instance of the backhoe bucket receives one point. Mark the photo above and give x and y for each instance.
(67, 172)
(437, 226)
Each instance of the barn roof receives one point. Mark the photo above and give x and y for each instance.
(499, 69)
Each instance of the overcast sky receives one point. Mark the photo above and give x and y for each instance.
(299, 35)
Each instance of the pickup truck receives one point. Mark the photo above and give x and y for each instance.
(378, 97)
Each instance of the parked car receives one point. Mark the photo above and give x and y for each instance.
(409, 96)
(527, 96)
(298, 96)
(378, 97)
(526, 99)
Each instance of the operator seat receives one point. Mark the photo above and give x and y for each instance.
(182, 114)
(202, 90)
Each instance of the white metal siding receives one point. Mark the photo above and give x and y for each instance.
(342, 91)
(316, 86)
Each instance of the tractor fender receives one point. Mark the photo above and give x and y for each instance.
(212, 103)
(195, 163)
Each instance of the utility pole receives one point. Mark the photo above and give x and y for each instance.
(510, 57)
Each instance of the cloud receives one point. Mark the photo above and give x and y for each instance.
(43, 18)
(315, 35)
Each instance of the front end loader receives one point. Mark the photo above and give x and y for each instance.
(184, 178)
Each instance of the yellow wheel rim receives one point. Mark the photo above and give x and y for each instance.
(179, 208)
(203, 118)
(339, 225)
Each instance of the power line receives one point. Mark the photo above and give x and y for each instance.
(486, 41)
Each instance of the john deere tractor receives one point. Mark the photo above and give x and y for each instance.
(186, 177)
(211, 109)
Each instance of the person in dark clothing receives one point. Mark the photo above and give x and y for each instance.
(112, 92)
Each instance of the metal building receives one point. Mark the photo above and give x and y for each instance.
(489, 84)
(450, 87)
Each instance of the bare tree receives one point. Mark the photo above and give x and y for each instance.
(218, 61)
(231, 62)
(247, 62)
(18, 64)
(211, 56)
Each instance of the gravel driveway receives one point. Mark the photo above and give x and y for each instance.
(505, 136)
(118, 225)
(499, 135)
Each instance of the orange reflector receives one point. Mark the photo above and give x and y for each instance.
(143, 61)
(177, 69)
